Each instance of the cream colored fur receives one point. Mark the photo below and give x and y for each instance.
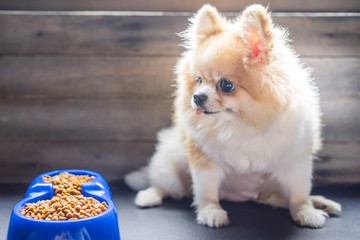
(259, 144)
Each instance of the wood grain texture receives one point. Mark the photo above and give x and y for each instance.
(22, 161)
(84, 77)
(92, 35)
(131, 120)
(339, 163)
(337, 78)
(30, 77)
(87, 120)
(341, 120)
(185, 5)
(145, 35)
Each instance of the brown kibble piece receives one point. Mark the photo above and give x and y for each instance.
(67, 203)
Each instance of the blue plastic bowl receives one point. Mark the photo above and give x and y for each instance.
(103, 226)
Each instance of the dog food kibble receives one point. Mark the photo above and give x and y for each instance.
(64, 207)
(67, 183)
(68, 203)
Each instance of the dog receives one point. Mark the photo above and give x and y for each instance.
(246, 125)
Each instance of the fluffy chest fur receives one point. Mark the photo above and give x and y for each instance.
(240, 148)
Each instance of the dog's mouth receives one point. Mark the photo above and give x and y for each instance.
(202, 110)
(206, 112)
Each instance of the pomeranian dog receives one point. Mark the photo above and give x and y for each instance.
(246, 123)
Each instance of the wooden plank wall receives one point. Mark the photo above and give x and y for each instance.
(184, 5)
(91, 89)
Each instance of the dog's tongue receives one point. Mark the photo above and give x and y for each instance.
(199, 111)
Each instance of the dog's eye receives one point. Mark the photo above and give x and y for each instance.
(199, 80)
(226, 86)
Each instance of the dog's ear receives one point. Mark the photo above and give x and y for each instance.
(257, 32)
(206, 22)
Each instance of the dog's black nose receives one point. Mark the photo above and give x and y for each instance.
(200, 99)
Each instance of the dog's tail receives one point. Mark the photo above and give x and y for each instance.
(139, 179)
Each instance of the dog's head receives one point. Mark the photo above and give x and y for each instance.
(231, 68)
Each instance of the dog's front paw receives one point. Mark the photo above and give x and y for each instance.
(148, 198)
(212, 216)
(308, 216)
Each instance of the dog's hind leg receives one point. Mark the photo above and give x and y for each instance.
(168, 171)
(272, 195)
(277, 199)
(325, 204)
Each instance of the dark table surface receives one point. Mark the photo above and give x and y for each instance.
(176, 219)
